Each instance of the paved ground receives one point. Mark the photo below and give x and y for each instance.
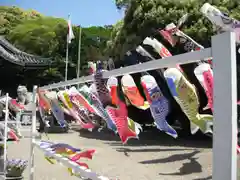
(160, 158)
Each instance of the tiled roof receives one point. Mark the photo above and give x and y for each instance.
(14, 55)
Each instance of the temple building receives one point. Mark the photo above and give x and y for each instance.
(14, 64)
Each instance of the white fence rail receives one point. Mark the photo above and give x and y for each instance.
(147, 66)
(223, 53)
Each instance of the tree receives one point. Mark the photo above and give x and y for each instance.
(38, 36)
(12, 16)
(51, 75)
(144, 16)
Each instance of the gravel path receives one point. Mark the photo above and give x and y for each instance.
(160, 158)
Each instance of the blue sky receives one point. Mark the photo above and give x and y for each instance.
(84, 12)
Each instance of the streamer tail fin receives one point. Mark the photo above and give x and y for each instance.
(167, 129)
(194, 128)
(205, 123)
(134, 126)
(127, 134)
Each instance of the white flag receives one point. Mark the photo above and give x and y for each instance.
(70, 35)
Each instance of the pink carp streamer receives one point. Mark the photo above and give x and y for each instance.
(12, 134)
(121, 121)
(208, 83)
(120, 115)
(204, 75)
(85, 154)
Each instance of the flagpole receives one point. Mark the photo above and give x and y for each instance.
(79, 52)
(66, 62)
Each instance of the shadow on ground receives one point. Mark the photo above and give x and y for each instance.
(128, 150)
(173, 158)
(103, 135)
(150, 137)
(190, 167)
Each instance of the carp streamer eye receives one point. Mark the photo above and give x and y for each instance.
(156, 96)
(225, 14)
(189, 46)
(182, 40)
(156, 110)
(226, 19)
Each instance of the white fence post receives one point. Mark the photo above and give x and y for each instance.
(225, 107)
(5, 137)
(33, 133)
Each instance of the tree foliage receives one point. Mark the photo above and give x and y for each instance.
(122, 4)
(46, 36)
(142, 16)
(12, 16)
(40, 36)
